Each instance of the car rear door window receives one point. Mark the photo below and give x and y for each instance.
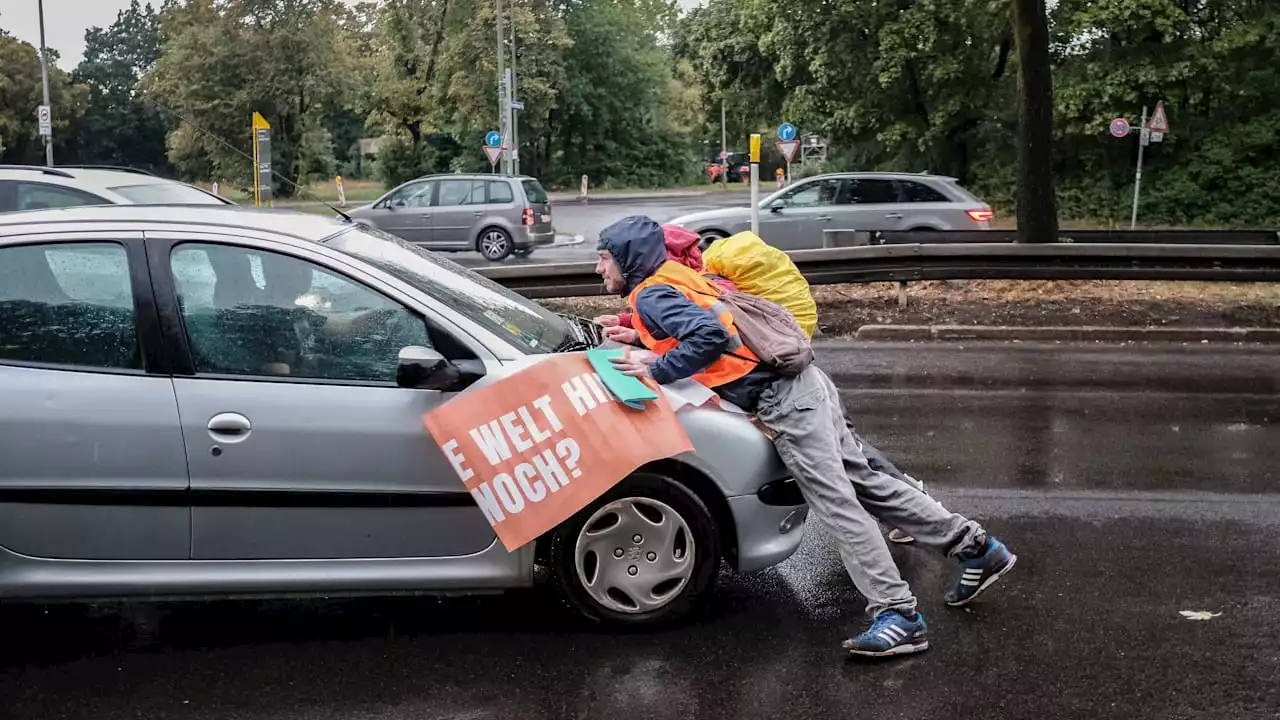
(37, 196)
(68, 304)
(916, 192)
(500, 192)
(868, 191)
(461, 192)
(251, 312)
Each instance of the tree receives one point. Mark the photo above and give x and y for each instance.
(119, 127)
(1037, 206)
(21, 94)
(221, 62)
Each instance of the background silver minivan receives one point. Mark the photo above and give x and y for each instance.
(495, 215)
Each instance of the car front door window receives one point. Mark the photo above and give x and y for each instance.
(257, 313)
(417, 195)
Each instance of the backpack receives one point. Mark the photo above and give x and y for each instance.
(758, 268)
(770, 331)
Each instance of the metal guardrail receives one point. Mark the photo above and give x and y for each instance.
(954, 261)
(857, 238)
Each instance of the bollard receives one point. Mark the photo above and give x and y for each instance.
(342, 194)
(781, 176)
(902, 295)
(582, 193)
(214, 189)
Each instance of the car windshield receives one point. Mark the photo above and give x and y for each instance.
(523, 323)
(166, 194)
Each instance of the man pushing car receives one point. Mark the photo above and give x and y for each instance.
(678, 314)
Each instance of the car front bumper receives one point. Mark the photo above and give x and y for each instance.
(769, 526)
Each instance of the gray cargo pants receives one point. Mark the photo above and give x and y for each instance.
(807, 420)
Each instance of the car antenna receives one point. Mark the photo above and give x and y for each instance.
(249, 157)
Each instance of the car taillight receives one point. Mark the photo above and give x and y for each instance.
(528, 216)
(980, 215)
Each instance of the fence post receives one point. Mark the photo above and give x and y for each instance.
(902, 294)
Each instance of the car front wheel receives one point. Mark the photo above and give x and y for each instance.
(709, 237)
(645, 553)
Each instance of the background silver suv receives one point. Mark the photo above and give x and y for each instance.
(795, 218)
(31, 187)
(496, 215)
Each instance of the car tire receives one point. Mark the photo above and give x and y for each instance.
(494, 244)
(673, 575)
(709, 237)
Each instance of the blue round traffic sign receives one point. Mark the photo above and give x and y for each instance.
(1119, 127)
(493, 138)
(786, 132)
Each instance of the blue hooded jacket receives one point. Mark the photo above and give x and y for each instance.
(638, 245)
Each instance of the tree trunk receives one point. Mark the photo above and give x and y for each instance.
(1037, 207)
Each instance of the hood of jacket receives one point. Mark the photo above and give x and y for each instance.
(638, 245)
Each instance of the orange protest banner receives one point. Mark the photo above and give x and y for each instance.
(538, 446)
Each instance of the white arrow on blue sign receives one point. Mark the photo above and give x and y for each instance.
(786, 132)
(493, 138)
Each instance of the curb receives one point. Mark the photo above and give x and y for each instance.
(901, 333)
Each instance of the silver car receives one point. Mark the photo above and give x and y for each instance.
(32, 187)
(796, 217)
(495, 215)
(219, 402)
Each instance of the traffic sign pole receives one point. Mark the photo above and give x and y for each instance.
(44, 82)
(1143, 136)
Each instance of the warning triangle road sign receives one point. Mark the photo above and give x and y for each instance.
(493, 153)
(788, 148)
(1159, 121)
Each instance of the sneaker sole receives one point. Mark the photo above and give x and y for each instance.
(901, 539)
(891, 652)
(1013, 559)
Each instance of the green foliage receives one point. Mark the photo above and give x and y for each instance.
(20, 94)
(118, 127)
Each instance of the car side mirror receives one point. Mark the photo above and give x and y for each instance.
(421, 368)
(776, 207)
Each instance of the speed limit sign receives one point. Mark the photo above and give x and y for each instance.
(45, 118)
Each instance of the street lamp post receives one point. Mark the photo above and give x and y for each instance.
(44, 80)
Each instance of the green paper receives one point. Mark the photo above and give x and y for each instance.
(629, 390)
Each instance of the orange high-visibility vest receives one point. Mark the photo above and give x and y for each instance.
(704, 294)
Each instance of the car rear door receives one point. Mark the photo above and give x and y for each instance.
(457, 213)
(92, 465)
(867, 204)
(300, 444)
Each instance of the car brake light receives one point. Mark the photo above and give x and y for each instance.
(980, 215)
(528, 216)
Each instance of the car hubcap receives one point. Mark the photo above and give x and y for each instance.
(635, 555)
(493, 244)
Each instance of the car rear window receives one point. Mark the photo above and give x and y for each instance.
(533, 190)
(166, 194)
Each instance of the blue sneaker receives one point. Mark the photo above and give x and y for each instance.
(981, 573)
(891, 634)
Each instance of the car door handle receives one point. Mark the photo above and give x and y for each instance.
(229, 427)
(894, 216)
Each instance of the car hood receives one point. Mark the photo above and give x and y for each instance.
(360, 210)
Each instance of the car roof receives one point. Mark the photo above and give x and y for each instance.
(94, 179)
(472, 176)
(299, 225)
(887, 175)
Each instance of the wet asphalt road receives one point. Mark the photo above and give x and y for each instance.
(1133, 482)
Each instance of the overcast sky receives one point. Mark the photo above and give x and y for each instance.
(64, 23)
(66, 20)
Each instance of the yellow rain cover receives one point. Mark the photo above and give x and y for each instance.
(761, 269)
